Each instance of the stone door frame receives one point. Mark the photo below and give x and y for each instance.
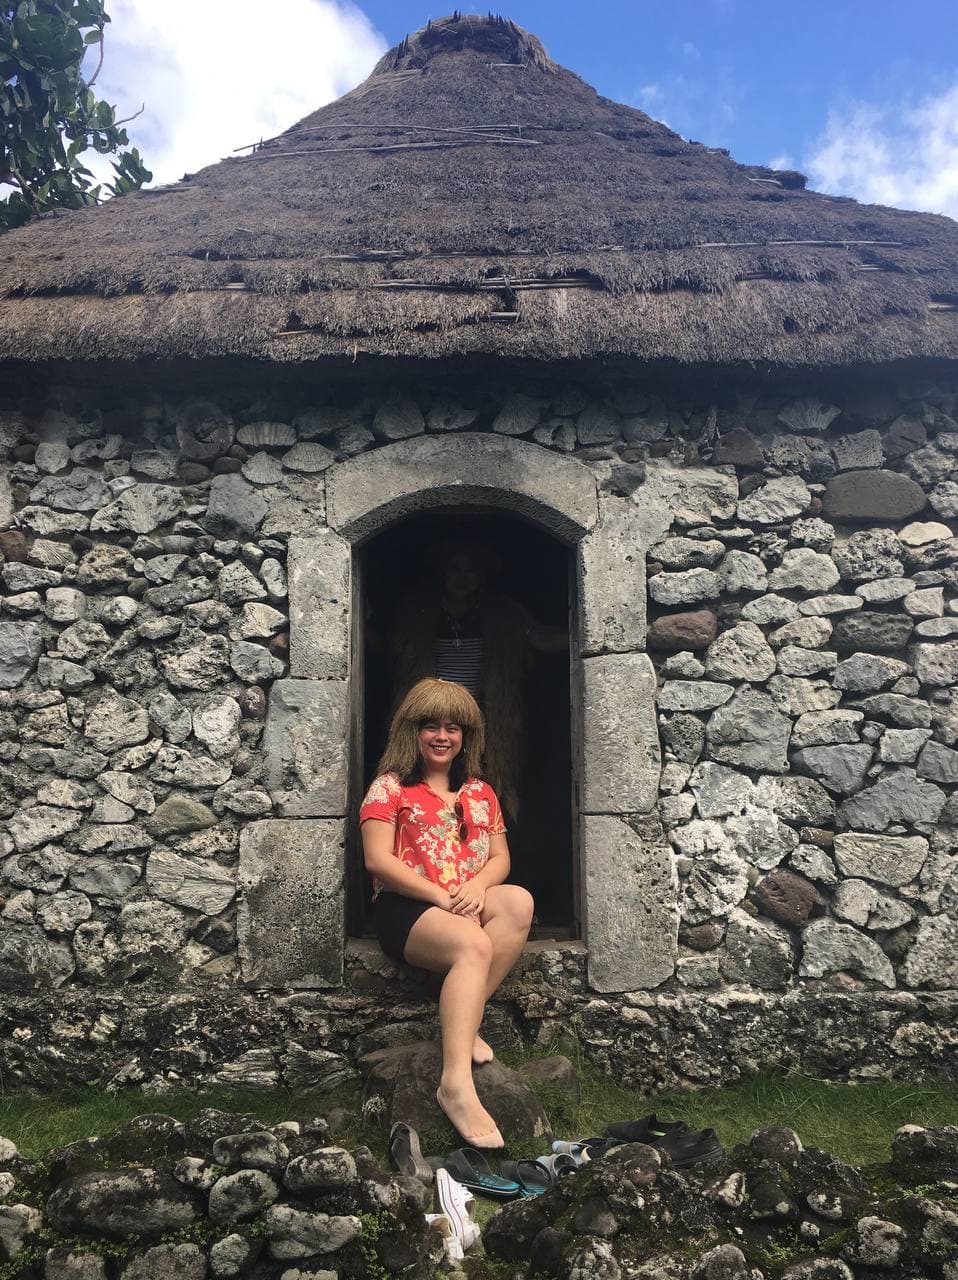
(626, 877)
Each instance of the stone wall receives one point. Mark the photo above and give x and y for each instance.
(803, 622)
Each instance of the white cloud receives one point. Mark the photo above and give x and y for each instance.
(699, 105)
(782, 161)
(901, 155)
(217, 74)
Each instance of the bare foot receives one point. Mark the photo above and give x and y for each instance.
(470, 1119)
(482, 1052)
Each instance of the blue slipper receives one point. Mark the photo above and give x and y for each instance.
(470, 1167)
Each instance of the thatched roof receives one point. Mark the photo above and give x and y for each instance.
(473, 197)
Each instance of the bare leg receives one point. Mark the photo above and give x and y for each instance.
(505, 922)
(446, 943)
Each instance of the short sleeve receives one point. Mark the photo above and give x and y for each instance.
(497, 826)
(381, 800)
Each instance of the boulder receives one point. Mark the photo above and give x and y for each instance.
(122, 1203)
(872, 495)
(676, 632)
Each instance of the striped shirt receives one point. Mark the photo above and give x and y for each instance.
(458, 651)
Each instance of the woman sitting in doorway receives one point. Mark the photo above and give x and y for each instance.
(435, 844)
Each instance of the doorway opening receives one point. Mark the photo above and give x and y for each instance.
(528, 572)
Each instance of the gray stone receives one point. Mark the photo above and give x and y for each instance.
(21, 644)
(620, 741)
(770, 610)
(885, 590)
(116, 721)
(117, 611)
(229, 1256)
(936, 664)
(741, 653)
(40, 825)
(826, 728)
(830, 947)
(798, 694)
(812, 532)
(201, 665)
(687, 553)
(195, 883)
(858, 450)
(760, 837)
(937, 629)
(597, 425)
(64, 604)
(896, 797)
(805, 570)
(944, 499)
(820, 606)
(215, 724)
(841, 769)
(234, 505)
(929, 466)
(717, 884)
(178, 767)
(65, 1263)
(62, 912)
(683, 665)
(290, 921)
(236, 584)
(808, 416)
(491, 471)
(796, 799)
(325, 1169)
(167, 1262)
(860, 903)
(938, 763)
(203, 430)
(720, 791)
(813, 862)
(254, 664)
(170, 717)
(104, 878)
(158, 464)
(864, 671)
(30, 961)
(901, 746)
(630, 892)
(692, 495)
(266, 434)
(687, 587)
(81, 490)
(891, 860)
(909, 713)
(611, 567)
(237, 1197)
(870, 554)
(741, 571)
(258, 1149)
(759, 953)
(796, 661)
(872, 495)
(261, 468)
(23, 604)
(19, 577)
(775, 502)
(52, 456)
(305, 746)
(178, 815)
(140, 509)
(258, 622)
(319, 586)
(128, 788)
(300, 1233)
(872, 632)
(748, 731)
(932, 960)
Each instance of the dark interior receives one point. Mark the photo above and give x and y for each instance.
(535, 571)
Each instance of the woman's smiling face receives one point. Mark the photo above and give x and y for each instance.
(440, 741)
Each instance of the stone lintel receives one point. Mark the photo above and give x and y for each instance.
(611, 573)
(372, 491)
(631, 905)
(305, 747)
(319, 600)
(621, 756)
(291, 918)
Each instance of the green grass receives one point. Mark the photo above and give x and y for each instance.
(853, 1121)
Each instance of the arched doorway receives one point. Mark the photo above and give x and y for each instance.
(527, 570)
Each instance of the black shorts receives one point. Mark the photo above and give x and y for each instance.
(393, 916)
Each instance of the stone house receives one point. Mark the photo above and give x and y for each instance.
(707, 415)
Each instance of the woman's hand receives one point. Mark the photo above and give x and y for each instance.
(468, 900)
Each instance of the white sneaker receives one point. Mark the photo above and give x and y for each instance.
(457, 1203)
(441, 1224)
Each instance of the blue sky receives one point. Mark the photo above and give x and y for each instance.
(860, 94)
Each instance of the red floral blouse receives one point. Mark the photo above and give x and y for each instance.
(427, 827)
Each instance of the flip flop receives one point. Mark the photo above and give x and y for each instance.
(581, 1152)
(650, 1130)
(532, 1176)
(558, 1165)
(470, 1167)
(406, 1153)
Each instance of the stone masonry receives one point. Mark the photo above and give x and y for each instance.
(764, 672)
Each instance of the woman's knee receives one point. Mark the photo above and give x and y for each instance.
(473, 946)
(517, 903)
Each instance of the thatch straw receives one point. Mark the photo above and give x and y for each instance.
(413, 217)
